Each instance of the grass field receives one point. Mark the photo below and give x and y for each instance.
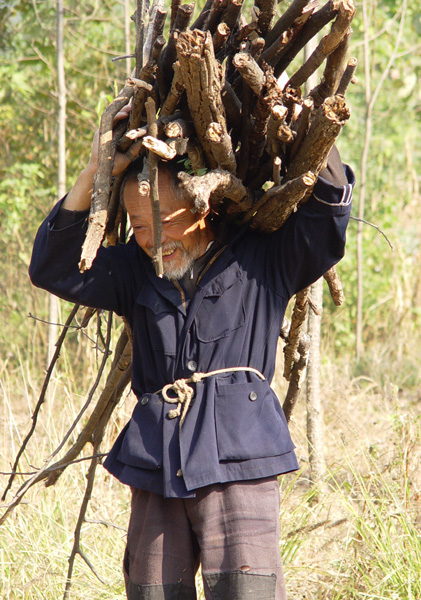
(358, 536)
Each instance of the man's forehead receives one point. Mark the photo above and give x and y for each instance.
(170, 202)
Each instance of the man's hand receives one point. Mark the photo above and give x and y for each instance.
(79, 197)
(121, 160)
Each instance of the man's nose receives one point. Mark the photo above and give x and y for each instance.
(150, 243)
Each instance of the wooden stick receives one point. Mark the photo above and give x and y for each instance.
(329, 43)
(203, 83)
(232, 13)
(143, 182)
(278, 114)
(285, 134)
(175, 93)
(271, 95)
(200, 22)
(273, 52)
(243, 158)
(233, 108)
(293, 12)
(296, 375)
(157, 146)
(213, 187)
(299, 315)
(315, 23)
(102, 181)
(175, 4)
(221, 146)
(250, 71)
(220, 36)
(277, 163)
(139, 84)
(347, 77)
(267, 10)
(335, 286)
(155, 29)
(214, 17)
(325, 127)
(334, 70)
(114, 211)
(184, 15)
(153, 178)
(179, 128)
(195, 154)
(277, 204)
(301, 125)
(146, 75)
(139, 19)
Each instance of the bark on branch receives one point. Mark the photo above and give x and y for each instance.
(102, 181)
(208, 190)
(203, 81)
(335, 286)
(327, 45)
(325, 127)
(298, 318)
(276, 205)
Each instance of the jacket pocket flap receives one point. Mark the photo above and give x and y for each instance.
(142, 443)
(250, 422)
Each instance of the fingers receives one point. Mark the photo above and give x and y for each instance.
(123, 160)
(134, 150)
(123, 113)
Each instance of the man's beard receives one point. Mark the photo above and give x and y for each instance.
(176, 269)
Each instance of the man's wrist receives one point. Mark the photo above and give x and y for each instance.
(79, 197)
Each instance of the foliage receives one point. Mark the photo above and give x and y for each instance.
(391, 281)
(28, 154)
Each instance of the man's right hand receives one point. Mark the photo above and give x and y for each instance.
(79, 197)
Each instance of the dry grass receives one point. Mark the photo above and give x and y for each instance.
(358, 540)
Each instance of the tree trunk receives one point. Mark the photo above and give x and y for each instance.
(127, 40)
(370, 98)
(61, 164)
(315, 425)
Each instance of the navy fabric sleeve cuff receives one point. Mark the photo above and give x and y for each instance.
(62, 218)
(332, 199)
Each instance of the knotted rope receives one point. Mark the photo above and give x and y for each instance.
(184, 392)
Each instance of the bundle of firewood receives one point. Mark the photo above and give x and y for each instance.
(217, 94)
(226, 96)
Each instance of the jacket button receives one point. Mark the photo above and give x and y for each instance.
(253, 396)
(192, 365)
(179, 473)
(144, 401)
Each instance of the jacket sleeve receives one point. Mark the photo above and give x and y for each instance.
(109, 284)
(313, 239)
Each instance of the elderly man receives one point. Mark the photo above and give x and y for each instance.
(203, 473)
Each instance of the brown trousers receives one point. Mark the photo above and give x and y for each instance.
(231, 529)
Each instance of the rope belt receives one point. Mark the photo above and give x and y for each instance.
(184, 392)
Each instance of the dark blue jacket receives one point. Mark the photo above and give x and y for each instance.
(235, 428)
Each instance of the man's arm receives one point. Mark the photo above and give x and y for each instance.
(57, 246)
(313, 239)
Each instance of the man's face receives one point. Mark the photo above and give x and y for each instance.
(185, 236)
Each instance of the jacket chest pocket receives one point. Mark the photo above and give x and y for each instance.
(158, 320)
(222, 309)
